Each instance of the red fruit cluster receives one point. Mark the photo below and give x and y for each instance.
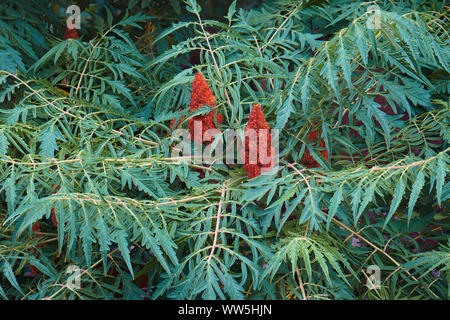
(255, 162)
(307, 159)
(258, 123)
(201, 94)
(71, 34)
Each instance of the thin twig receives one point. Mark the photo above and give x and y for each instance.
(216, 232)
(370, 244)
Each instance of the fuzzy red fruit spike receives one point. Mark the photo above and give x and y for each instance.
(202, 95)
(71, 34)
(257, 122)
(308, 160)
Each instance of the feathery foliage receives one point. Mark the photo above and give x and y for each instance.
(84, 134)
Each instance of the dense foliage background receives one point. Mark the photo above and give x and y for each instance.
(84, 134)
